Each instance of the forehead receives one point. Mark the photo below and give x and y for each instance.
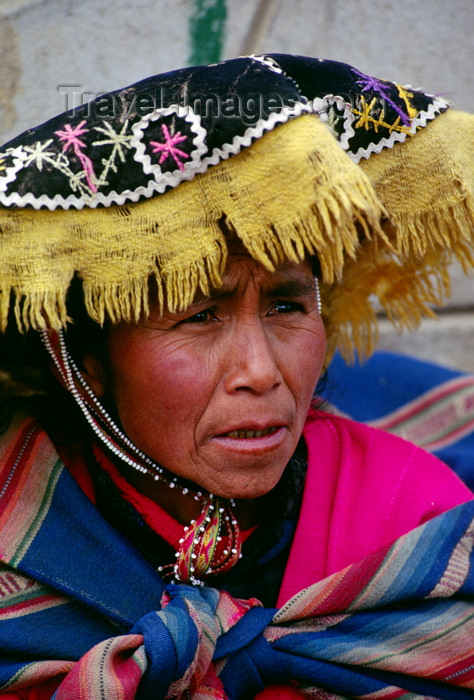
(242, 270)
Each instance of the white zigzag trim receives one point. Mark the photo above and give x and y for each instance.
(267, 61)
(163, 180)
(422, 119)
(322, 105)
(255, 132)
(19, 156)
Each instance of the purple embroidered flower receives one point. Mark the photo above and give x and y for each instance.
(70, 138)
(168, 148)
(367, 83)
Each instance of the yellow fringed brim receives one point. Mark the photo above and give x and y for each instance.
(293, 192)
(426, 185)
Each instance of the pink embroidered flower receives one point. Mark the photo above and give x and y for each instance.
(70, 138)
(168, 148)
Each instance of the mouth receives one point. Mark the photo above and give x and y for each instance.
(249, 434)
(253, 440)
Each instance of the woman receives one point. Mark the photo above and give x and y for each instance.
(180, 230)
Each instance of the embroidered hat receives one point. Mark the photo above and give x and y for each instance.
(295, 155)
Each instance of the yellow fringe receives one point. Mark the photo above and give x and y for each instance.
(427, 187)
(378, 281)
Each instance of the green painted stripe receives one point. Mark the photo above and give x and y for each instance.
(206, 31)
(17, 676)
(40, 514)
(16, 598)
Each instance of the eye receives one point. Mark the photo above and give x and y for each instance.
(203, 316)
(286, 307)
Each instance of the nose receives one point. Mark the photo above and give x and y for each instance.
(251, 359)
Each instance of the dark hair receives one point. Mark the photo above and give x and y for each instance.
(83, 335)
(27, 382)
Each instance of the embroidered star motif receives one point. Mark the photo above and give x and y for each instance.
(70, 138)
(119, 140)
(367, 83)
(366, 117)
(39, 154)
(367, 120)
(168, 148)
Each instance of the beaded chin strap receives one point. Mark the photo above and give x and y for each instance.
(212, 543)
(319, 304)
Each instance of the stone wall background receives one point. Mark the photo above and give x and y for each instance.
(56, 53)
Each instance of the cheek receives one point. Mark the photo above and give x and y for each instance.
(305, 360)
(156, 393)
(168, 383)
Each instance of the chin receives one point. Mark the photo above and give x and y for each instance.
(245, 488)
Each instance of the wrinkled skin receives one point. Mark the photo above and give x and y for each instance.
(190, 388)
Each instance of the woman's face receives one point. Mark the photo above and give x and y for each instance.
(219, 393)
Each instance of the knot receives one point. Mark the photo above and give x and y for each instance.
(249, 663)
(200, 639)
(179, 640)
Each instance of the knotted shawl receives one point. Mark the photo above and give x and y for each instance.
(79, 604)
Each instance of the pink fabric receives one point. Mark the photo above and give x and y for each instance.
(364, 489)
